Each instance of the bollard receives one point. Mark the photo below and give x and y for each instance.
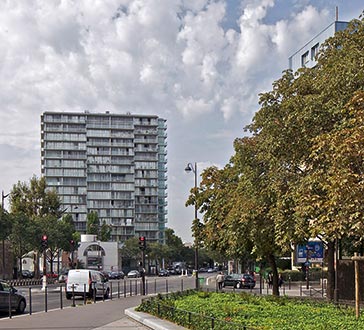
(84, 294)
(103, 291)
(181, 284)
(60, 297)
(118, 289)
(73, 296)
(155, 286)
(9, 301)
(167, 286)
(46, 299)
(30, 301)
(110, 290)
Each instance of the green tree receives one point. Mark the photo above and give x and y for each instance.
(93, 223)
(30, 203)
(300, 124)
(105, 232)
(23, 236)
(34, 199)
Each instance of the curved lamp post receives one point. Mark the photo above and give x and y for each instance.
(190, 168)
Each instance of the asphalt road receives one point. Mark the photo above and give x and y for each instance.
(54, 297)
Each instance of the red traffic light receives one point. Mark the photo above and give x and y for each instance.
(44, 237)
(142, 242)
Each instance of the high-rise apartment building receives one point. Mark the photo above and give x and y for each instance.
(113, 164)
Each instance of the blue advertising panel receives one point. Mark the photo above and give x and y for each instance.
(312, 251)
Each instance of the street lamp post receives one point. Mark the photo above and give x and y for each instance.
(3, 196)
(188, 169)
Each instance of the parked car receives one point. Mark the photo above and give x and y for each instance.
(133, 274)
(239, 281)
(163, 272)
(116, 275)
(86, 281)
(63, 276)
(18, 301)
(52, 275)
(27, 274)
(171, 271)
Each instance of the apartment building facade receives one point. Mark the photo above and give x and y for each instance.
(112, 164)
(305, 57)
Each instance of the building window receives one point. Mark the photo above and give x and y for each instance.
(304, 59)
(314, 51)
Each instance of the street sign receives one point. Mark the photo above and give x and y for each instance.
(312, 251)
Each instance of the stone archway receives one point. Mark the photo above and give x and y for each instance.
(94, 255)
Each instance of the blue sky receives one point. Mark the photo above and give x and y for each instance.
(198, 63)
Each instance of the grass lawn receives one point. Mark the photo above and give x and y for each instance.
(253, 312)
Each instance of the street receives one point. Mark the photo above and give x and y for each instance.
(53, 297)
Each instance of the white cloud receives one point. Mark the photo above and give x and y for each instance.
(167, 57)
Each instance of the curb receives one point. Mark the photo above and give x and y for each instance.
(152, 321)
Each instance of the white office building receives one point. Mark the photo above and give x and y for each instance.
(305, 56)
(113, 164)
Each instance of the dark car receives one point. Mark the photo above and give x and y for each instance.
(18, 301)
(163, 272)
(239, 281)
(116, 275)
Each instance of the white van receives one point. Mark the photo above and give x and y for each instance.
(87, 281)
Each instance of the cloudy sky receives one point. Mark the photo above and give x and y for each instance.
(198, 63)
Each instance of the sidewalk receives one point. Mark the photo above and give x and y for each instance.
(102, 315)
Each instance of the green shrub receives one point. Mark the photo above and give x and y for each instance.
(195, 310)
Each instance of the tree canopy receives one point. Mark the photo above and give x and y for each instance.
(299, 173)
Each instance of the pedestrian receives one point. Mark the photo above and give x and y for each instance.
(220, 280)
(280, 280)
(270, 280)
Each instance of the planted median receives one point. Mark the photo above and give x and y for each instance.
(229, 311)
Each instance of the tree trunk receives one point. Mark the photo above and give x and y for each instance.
(330, 270)
(273, 265)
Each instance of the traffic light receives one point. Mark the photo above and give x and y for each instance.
(44, 242)
(142, 243)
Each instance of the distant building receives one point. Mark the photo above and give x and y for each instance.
(305, 56)
(113, 164)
